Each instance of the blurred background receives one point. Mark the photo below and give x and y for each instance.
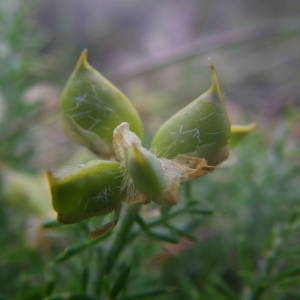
(158, 53)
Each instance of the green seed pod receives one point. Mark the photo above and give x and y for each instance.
(238, 132)
(91, 190)
(201, 129)
(146, 172)
(92, 107)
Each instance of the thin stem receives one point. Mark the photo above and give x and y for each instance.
(118, 244)
(257, 292)
(121, 237)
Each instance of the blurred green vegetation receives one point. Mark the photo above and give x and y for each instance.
(235, 233)
(18, 71)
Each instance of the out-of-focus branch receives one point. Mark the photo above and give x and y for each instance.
(205, 44)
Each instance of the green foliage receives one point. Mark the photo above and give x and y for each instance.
(18, 61)
(19, 64)
(246, 245)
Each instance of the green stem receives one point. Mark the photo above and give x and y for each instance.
(257, 293)
(121, 237)
(118, 244)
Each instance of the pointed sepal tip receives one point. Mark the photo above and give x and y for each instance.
(215, 84)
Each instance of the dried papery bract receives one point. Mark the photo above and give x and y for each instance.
(124, 139)
(149, 178)
(176, 171)
(201, 129)
(92, 107)
(92, 189)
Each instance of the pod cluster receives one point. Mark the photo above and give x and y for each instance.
(95, 114)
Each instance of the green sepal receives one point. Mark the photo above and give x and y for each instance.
(90, 190)
(201, 129)
(239, 132)
(92, 107)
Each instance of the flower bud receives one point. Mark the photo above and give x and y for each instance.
(90, 190)
(92, 107)
(146, 172)
(201, 129)
(145, 176)
(149, 178)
